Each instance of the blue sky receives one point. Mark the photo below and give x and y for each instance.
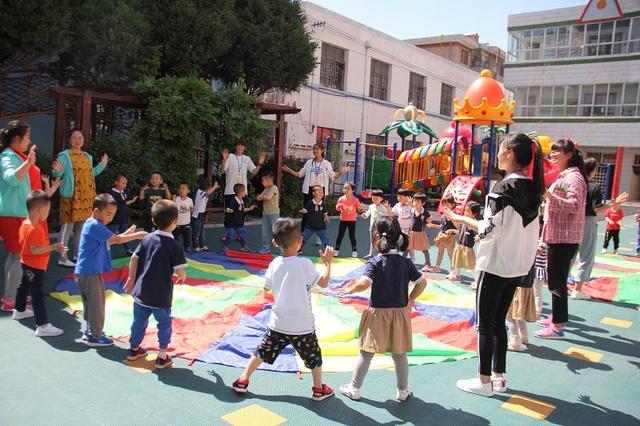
(423, 18)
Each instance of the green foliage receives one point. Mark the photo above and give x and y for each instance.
(271, 48)
(33, 28)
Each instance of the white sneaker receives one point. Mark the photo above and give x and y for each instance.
(604, 251)
(473, 285)
(66, 263)
(354, 254)
(350, 392)
(579, 295)
(403, 395)
(475, 386)
(499, 384)
(27, 313)
(48, 330)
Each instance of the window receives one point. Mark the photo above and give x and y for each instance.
(417, 90)
(464, 57)
(379, 80)
(332, 67)
(446, 99)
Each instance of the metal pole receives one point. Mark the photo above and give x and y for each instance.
(491, 155)
(477, 167)
(430, 139)
(413, 142)
(356, 162)
(454, 151)
(393, 172)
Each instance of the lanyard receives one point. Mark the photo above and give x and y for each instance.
(240, 162)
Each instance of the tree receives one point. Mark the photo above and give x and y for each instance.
(109, 46)
(31, 29)
(271, 48)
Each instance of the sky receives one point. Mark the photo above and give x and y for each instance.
(425, 18)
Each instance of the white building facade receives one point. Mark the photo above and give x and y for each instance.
(580, 79)
(361, 78)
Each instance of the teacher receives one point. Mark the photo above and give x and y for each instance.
(508, 236)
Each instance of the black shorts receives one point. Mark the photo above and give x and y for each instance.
(306, 345)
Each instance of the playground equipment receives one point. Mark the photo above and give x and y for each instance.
(406, 123)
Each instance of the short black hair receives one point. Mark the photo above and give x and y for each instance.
(240, 142)
(238, 187)
(474, 208)
(314, 188)
(268, 175)
(405, 192)
(285, 231)
(421, 196)
(163, 213)
(350, 185)
(155, 172)
(449, 200)
(183, 183)
(377, 193)
(36, 199)
(119, 176)
(102, 201)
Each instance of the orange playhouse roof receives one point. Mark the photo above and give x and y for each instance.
(484, 102)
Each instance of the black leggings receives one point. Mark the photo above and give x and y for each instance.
(493, 298)
(31, 284)
(559, 258)
(352, 234)
(615, 234)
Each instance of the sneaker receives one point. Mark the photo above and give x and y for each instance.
(85, 335)
(615, 252)
(133, 354)
(66, 263)
(47, 330)
(244, 249)
(403, 395)
(197, 249)
(164, 362)
(27, 313)
(473, 285)
(499, 384)
(264, 250)
(8, 305)
(545, 322)
(475, 386)
(350, 392)
(204, 248)
(604, 251)
(322, 393)
(354, 254)
(549, 333)
(101, 341)
(240, 386)
(579, 295)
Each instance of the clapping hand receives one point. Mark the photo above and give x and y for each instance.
(50, 187)
(104, 159)
(31, 157)
(57, 166)
(261, 158)
(327, 256)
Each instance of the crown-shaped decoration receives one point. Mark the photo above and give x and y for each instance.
(484, 102)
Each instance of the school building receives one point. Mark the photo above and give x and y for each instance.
(575, 72)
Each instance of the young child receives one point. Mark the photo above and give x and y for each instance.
(317, 217)
(199, 215)
(270, 198)
(463, 255)
(34, 257)
(94, 259)
(613, 217)
(348, 206)
(185, 209)
(386, 324)
(234, 218)
(291, 279)
(402, 210)
(150, 281)
(120, 221)
(445, 240)
(420, 219)
(522, 309)
(378, 208)
(155, 190)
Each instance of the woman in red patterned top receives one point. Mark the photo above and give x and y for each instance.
(563, 230)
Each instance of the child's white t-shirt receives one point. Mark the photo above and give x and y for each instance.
(291, 280)
(184, 210)
(404, 216)
(201, 201)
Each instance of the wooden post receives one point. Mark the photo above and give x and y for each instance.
(278, 150)
(58, 141)
(85, 120)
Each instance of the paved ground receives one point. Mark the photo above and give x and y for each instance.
(61, 381)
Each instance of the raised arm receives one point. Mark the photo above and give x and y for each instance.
(326, 257)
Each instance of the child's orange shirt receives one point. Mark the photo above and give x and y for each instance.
(33, 235)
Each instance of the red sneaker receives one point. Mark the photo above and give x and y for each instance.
(8, 305)
(320, 394)
(240, 386)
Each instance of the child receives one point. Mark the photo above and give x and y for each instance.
(185, 209)
(613, 217)
(155, 190)
(270, 198)
(446, 236)
(463, 255)
(386, 324)
(291, 279)
(522, 309)
(377, 209)
(420, 219)
(34, 257)
(120, 221)
(402, 210)
(234, 218)
(348, 206)
(317, 217)
(199, 215)
(150, 281)
(94, 259)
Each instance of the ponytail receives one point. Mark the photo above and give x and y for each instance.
(528, 153)
(14, 128)
(390, 236)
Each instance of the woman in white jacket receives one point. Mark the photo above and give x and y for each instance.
(508, 236)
